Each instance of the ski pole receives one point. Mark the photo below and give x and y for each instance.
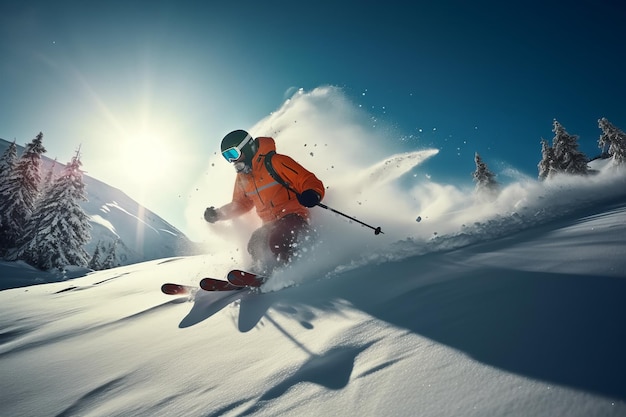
(377, 230)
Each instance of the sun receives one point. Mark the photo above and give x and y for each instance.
(146, 158)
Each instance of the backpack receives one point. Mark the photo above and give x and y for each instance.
(273, 173)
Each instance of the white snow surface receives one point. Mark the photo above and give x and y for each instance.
(511, 307)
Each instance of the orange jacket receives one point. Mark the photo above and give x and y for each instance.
(259, 190)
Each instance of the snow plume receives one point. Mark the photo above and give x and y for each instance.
(452, 218)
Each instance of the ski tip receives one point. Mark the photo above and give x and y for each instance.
(212, 284)
(174, 289)
(242, 278)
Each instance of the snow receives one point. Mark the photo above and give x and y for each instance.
(97, 219)
(141, 234)
(513, 307)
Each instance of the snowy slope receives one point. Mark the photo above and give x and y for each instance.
(509, 308)
(142, 234)
(138, 233)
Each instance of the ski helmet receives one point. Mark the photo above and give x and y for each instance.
(242, 141)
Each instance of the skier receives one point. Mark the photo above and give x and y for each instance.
(282, 198)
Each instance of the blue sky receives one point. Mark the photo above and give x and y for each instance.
(463, 77)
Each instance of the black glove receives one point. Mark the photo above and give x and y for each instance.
(211, 214)
(309, 198)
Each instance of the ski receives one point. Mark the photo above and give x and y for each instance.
(207, 284)
(212, 284)
(176, 289)
(242, 279)
(236, 280)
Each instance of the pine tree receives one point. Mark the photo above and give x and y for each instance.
(567, 157)
(111, 259)
(49, 179)
(613, 141)
(486, 183)
(547, 164)
(59, 228)
(8, 161)
(19, 193)
(7, 165)
(94, 263)
(104, 256)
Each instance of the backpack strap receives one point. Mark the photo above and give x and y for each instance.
(273, 173)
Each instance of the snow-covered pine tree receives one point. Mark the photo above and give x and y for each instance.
(604, 143)
(49, 179)
(612, 140)
(59, 228)
(19, 193)
(8, 161)
(7, 164)
(486, 183)
(104, 256)
(546, 165)
(111, 259)
(567, 157)
(94, 263)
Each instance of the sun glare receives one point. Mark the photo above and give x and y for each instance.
(146, 158)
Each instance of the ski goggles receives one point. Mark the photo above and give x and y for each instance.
(234, 153)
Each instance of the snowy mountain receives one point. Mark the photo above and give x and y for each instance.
(513, 307)
(118, 222)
